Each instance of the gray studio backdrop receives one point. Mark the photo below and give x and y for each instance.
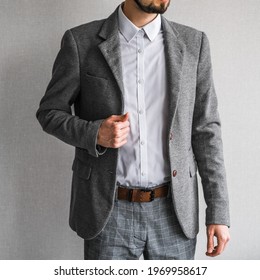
(35, 168)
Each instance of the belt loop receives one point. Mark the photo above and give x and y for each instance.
(152, 195)
(116, 192)
(130, 195)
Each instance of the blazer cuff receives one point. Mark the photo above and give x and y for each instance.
(100, 150)
(93, 148)
(219, 216)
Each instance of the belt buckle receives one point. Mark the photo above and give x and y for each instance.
(151, 194)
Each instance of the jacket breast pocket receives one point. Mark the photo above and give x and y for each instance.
(93, 84)
(81, 169)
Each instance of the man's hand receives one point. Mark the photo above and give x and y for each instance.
(221, 232)
(113, 131)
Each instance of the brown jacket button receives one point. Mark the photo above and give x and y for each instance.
(174, 173)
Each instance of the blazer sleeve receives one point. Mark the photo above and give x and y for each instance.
(207, 142)
(54, 113)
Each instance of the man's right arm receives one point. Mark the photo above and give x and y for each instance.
(54, 113)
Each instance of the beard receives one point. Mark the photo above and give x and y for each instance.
(152, 9)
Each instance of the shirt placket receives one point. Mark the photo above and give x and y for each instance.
(143, 173)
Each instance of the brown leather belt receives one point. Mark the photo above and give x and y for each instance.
(142, 195)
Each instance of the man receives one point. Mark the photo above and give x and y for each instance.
(145, 118)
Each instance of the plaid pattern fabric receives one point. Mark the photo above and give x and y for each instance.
(133, 229)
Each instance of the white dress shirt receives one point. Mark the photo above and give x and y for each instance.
(143, 161)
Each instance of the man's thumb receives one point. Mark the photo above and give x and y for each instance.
(121, 118)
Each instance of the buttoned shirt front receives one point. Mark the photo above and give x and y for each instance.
(143, 161)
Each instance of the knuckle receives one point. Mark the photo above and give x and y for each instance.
(226, 239)
(222, 238)
(116, 145)
(115, 133)
(112, 143)
(116, 142)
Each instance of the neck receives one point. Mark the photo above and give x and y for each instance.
(138, 17)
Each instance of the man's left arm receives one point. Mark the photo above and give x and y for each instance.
(208, 151)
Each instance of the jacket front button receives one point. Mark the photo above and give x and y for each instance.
(174, 173)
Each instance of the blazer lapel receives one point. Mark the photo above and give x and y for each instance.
(174, 50)
(110, 48)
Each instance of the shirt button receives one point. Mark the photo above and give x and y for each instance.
(142, 173)
(142, 143)
(140, 51)
(139, 81)
(174, 173)
(140, 111)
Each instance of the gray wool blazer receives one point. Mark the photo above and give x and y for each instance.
(87, 73)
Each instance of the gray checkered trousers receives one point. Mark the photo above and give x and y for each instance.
(136, 228)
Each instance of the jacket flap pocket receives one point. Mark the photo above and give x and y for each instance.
(93, 77)
(94, 83)
(81, 169)
(192, 164)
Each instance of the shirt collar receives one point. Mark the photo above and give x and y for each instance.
(129, 30)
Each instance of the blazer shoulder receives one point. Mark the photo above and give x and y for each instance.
(185, 30)
(188, 35)
(87, 30)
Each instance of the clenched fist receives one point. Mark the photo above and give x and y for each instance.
(113, 131)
